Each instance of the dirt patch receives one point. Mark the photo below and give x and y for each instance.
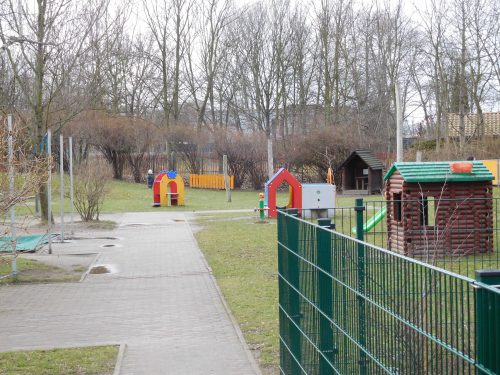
(98, 270)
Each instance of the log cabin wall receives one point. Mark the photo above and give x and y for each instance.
(395, 226)
(462, 221)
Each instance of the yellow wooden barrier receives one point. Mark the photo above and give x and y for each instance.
(209, 181)
(492, 165)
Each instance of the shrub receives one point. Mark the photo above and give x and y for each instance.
(91, 187)
(30, 170)
(246, 155)
(319, 150)
(189, 144)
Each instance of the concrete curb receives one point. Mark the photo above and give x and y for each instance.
(236, 327)
(90, 267)
(119, 359)
(51, 347)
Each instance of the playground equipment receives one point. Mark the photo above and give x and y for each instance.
(373, 221)
(168, 189)
(261, 209)
(271, 187)
(430, 205)
(312, 200)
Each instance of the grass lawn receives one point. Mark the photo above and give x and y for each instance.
(243, 257)
(127, 197)
(97, 360)
(32, 271)
(131, 197)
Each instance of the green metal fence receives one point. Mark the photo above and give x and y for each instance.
(348, 307)
(450, 242)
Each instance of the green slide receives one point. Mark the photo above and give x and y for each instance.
(374, 220)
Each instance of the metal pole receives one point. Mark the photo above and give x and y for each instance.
(399, 133)
(227, 185)
(71, 181)
(325, 296)
(10, 142)
(270, 162)
(487, 327)
(37, 203)
(49, 188)
(61, 184)
(361, 286)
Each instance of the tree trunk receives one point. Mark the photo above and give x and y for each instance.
(39, 126)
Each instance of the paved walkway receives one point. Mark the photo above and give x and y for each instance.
(161, 301)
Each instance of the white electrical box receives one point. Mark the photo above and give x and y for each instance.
(318, 200)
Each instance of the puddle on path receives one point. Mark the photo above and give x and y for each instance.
(110, 245)
(134, 225)
(97, 238)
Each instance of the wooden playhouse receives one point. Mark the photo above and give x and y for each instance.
(432, 211)
(362, 173)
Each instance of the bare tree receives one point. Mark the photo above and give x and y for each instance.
(434, 25)
(169, 22)
(215, 16)
(332, 18)
(45, 42)
(304, 62)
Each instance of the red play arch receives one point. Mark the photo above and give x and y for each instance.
(272, 186)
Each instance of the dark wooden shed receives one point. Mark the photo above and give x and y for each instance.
(434, 212)
(362, 173)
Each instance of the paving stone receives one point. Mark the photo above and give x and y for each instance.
(160, 300)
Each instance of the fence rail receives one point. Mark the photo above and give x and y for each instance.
(349, 307)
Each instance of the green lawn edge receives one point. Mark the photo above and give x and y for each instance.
(91, 360)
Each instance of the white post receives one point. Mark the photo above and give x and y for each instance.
(226, 178)
(49, 188)
(71, 181)
(419, 156)
(270, 162)
(10, 142)
(399, 133)
(61, 185)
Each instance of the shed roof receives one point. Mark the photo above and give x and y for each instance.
(368, 157)
(438, 172)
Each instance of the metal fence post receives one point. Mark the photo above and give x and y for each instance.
(10, 146)
(359, 208)
(294, 279)
(282, 287)
(49, 189)
(325, 296)
(61, 183)
(71, 193)
(487, 326)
